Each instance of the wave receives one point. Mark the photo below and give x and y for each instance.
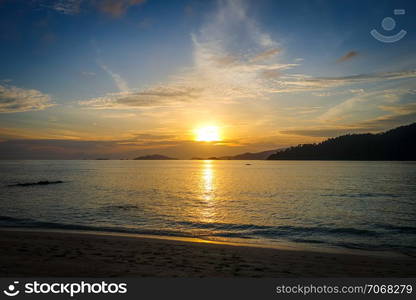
(219, 226)
(362, 195)
(398, 229)
(344, 237)
(241, 230)
(30, 223)
(119, 207)
(279, 230)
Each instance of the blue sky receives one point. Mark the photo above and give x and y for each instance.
(126, 77)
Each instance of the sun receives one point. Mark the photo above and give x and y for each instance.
(208, 134)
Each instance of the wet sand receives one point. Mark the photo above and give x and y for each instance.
(69, 254)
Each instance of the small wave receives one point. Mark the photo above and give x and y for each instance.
(380, 247)
(6, 221)
(333, 237)
(308, 241)
(240, 230)
(44, 182)
(263, 230)
(398, 229)
(10, 219)
(296, 230)
(120, 207)
(221, 226)
(239, 235)
(362, 195)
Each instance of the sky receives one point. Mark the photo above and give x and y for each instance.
(82, 79)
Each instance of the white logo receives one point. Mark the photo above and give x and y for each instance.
(11, 291)
(389, 24)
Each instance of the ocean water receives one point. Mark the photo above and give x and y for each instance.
(328, 204)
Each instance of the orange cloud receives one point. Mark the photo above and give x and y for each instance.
(347, 56)
(116, 8)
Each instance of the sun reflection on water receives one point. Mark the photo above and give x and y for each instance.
(207, 211)
(207, 180)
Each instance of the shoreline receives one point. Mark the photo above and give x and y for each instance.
(59, 253)
(280, 245)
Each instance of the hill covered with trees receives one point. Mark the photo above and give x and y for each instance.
(155, 157)
(395, 144)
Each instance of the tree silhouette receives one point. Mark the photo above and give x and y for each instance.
(395, 144)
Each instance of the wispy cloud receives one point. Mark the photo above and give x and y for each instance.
(404, 116)
(300, 82)
(323, 132)
(118, 80)
(116, 8)
(88, 73)
(266, 54)
(348, 56)
(156, 96)
(372, 111)
(224, 68)
(365, 103)
(14, 99)
(399, 114)
(233, 58)
(66, 7)
(113, 8)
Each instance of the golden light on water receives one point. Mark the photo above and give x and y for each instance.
(207, 211)
(208, 134)
(208, 176)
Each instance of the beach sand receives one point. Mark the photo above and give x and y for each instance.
(60, 253)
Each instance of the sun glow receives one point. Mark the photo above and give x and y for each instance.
(208, 134)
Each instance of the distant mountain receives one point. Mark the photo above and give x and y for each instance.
(395, 144)
(154, 157)
(251, 156)
(243, 156)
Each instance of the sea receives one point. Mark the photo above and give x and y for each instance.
(361, 205)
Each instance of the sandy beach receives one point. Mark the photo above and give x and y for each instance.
(57, 253)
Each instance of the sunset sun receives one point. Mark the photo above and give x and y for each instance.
(207, 134)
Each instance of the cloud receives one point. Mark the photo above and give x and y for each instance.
(325, 131)
(88, 73)
(303, 110)
(14, 99)
(266, 54)
(366, 103)
(403, 115)
(232, 59)
(300, 82)
(157, 96)
(118, 80)
(116, 8)
(151, 136)
(66, 7)
(400, 115)
(122, 115)
(61, 147)
(139, 144)
(348, 56)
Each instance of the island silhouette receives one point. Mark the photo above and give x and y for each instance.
(154, 157)
(395, 144)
